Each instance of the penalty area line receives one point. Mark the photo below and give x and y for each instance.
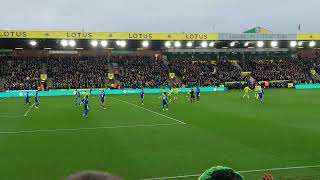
(82, 129)
(26, 114)
(174, 119)
(245, 171)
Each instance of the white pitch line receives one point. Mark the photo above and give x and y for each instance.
(149, 110)
(3, 99)
(81, 129)
(28, 110)
(245, 171)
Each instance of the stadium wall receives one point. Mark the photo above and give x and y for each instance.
(65, 92)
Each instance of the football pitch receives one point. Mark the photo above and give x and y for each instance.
(138, 142)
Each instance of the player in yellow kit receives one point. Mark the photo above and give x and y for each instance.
(256, 91)
(246, 92)
(175, 93)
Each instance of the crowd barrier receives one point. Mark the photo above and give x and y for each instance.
(71, 92)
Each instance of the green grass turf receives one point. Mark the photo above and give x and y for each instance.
(223, 129)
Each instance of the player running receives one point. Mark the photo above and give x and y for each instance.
(170, 94)
(198, 94)
(142, 96)
(103, 99)
(86, 106)
(256, 91)
(246, 92)
(78, 99)
(85, 94)
(165, 102)
(261, 95)
(36, 100)
(192, 98)
(175, 93)
(28, 99)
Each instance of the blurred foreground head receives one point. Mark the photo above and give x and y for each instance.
(220, 173)
(93, 175)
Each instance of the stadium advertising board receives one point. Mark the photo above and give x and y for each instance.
(98, 91)
(107, 35)
(303, 36)
(256, 37)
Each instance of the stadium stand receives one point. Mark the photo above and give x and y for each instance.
(67, 72)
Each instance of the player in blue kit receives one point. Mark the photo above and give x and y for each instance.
(36, 100)
(103, 99)
(142, 96)
(90, 92)
(165, 102)
(28, 99)
(261, 95)
(86, 106)
(198, 94)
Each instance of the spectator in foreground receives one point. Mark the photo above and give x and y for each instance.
(93, 175)
(225, 173)
(220, 173)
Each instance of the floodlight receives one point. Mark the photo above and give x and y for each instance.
(33, 43)
(312, 43)
(189, 44)
(94, 43)
(72, 43)
(104, 43)
(260, 44)
(145, 44)
(204, 44)
(64, 43)
(274, 43)
(168, 44)
(293, 43)
(123, 43)
(177, 44)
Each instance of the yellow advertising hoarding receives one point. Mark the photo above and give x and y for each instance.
(308, 36)
(107, 35)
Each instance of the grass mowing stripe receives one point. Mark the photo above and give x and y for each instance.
(246, 171)
(81, 129)
(149, 110)
(29, 110)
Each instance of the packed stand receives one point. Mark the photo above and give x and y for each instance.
(142, 72)
(293, 70)
(77, 72)
(19, 73)
(204, 73)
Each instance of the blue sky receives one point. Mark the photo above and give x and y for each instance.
(280, 16)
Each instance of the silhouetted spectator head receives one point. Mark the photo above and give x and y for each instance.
(220, 173)
(93, 175)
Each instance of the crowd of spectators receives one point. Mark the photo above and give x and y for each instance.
(142, 71)
(293, 69)
(204, 73)
(19, 73)
(77, 72)
(73, 72)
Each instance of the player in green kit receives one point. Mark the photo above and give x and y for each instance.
(246, 92)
